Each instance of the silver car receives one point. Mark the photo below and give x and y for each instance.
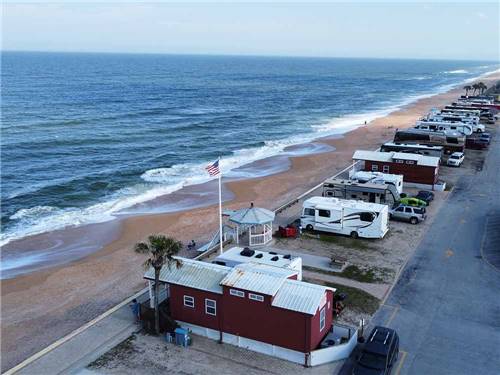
(407, 213)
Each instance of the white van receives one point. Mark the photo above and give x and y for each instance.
(348, 217)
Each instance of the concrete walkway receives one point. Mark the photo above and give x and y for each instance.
(74, 352)
(377, 290)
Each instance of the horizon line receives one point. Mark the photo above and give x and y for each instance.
(245, 55)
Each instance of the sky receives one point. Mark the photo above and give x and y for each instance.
(468, 31)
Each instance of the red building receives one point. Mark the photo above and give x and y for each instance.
(417, 170)
(253, 301)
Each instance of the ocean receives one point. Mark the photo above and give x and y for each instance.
(85, 136)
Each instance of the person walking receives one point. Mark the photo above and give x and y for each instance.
(136, 310)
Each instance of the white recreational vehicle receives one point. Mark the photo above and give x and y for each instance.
(348, 217)
(395, 180)
(464, 129)
(457, 118)
(364, 191)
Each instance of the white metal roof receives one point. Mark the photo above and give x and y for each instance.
(259, 278)
(234, 254)
(193, 274)
(300, 296)
(423, 160)
(252, 216)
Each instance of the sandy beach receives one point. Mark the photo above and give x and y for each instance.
(40, 307)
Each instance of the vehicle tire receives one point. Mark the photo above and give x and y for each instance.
(413, 220)
(390, 217)
(309, 227)
(354, 234)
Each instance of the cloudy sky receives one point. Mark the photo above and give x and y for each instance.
(403, 30)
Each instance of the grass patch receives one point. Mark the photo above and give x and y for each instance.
(449, 186)
(370, 275)
(346, 242)
(119, 353)
(357, 300)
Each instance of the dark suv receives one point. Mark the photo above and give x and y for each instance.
(380, 353)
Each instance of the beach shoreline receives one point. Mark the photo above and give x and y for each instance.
(68, 295)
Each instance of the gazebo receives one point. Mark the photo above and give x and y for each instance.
(258, 221)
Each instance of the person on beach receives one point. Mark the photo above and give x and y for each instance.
(136, 310)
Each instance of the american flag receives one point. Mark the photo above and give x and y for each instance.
(213, 169)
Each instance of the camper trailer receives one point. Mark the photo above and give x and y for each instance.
(267, 255)
(364, 191)
(447, 127)
(395, 180)
(347, 217)
(450, 142)
(409, 148)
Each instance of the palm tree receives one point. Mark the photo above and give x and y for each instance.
(482, 87)
(475, 86)
(467, 89)
(161, 251)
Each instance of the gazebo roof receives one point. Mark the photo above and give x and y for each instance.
(251, 216)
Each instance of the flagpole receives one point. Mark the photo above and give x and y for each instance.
(220, 207)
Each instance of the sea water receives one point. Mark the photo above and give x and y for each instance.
(85, 136)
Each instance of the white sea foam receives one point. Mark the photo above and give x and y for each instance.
(458, 71)
(42, 219)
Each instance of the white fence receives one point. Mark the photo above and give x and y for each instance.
(253, 345)
(337, 351)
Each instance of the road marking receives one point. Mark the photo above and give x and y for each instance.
(403, 357)
(396, 309)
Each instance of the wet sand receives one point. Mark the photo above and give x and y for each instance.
(40, 307)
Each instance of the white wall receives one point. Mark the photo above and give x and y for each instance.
(253, 345)
(336, 352)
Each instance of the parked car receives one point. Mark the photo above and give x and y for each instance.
(425, 195)
(411, 201)
(476, 143)
(456, 159)
(411, 214)
(380, 353)
(485, 136)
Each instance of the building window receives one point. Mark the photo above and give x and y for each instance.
(256, 297)
(189, 301)
(322, 319)
(385, 169)
(374, 167)
(210, 307)
(237, 293)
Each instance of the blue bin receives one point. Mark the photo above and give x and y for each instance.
(181, 337)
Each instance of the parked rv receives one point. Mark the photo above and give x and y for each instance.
(347, 217)
(395, 180)
(450, 142)
(447, 127)
(364, 191)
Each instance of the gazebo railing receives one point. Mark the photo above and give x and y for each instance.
(260, 239)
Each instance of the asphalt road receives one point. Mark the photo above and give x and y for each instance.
(446, 304)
